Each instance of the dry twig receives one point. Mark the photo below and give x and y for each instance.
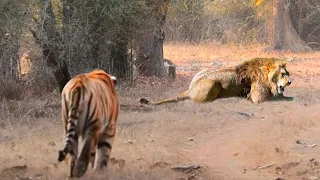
(264, 167)
(185, 168)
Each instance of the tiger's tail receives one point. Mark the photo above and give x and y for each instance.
(181, 97)
(71, 115)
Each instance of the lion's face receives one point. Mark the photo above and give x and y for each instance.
(282, 79)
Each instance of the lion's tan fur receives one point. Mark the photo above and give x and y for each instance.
(256, 78)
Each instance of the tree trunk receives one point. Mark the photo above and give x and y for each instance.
(285, 37)
(150, 54)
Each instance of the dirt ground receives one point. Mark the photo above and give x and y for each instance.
(229, 139)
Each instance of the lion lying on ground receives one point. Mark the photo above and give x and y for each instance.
(258, 79)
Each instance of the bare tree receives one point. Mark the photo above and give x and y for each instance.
(50, 46)
(92, 34)
(305, 16)
(11, 28)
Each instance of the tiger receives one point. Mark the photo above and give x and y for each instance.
(90, 108)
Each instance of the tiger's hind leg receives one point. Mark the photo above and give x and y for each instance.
(82, 162)
(104, 145)
(93, 153)
(86, 151)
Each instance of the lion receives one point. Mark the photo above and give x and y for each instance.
(258, 80)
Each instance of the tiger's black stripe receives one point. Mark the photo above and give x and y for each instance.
(71, 130)
(75, 99)
(104, 144)
(65, 105)
(73, 115)
(92, 123)
(68, 142)
(89, 106)
(72, 124)
(108, 135)
(93, 112)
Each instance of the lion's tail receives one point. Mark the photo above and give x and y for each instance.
(181, 97)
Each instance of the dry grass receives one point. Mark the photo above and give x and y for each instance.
(229, 137)
(209, 52)
(10, 89)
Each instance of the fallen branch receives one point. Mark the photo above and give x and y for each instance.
(306, 144)
(185, 168)
(311, 145)
(246, 114)
(264, 167)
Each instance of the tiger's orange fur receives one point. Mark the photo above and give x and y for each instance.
(90, 109)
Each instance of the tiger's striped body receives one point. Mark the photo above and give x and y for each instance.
(89, 110)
